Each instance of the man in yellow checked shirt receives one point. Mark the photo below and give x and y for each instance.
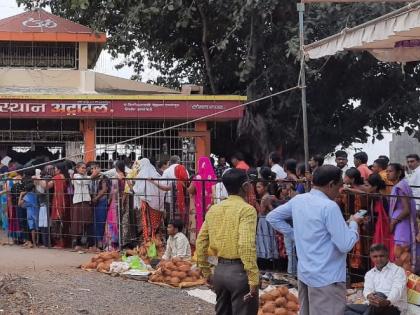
(229, 231)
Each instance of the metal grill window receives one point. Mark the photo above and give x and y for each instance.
(39, 130)
(39, 55)
(158, 146)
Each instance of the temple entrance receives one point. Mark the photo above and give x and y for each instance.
(34, 141)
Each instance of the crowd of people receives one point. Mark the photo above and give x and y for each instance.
(82, 205)
(79, 205)
(314, 224)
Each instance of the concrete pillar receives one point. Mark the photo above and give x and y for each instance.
(203, 141)
(83, 56)
(88, 129)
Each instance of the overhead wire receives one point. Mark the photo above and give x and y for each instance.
(166, 129)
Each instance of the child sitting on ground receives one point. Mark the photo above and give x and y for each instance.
(29, 200)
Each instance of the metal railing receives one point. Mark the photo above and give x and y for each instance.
(131, 211)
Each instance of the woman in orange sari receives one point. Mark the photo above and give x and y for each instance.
(380, 220)
(59, 204)
(355, 187)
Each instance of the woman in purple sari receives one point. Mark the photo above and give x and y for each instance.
(402, 212)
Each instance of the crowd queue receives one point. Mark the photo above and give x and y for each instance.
(249, 218)
(312, 224)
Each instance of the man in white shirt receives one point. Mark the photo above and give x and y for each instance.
(385, 287)
(274, 161)
(178, 244)
(413, 163)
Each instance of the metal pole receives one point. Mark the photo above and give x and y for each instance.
(302, 83)
(120, 227)
(48, 215)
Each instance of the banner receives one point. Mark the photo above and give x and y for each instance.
(119, 109)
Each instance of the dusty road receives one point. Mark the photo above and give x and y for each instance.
(42, 281)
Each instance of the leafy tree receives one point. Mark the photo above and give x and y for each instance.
(251, 47)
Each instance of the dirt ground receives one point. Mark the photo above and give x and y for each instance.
(46, 281)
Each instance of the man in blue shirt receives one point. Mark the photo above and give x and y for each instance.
(322, 240)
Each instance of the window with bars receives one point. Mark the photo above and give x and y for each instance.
(158, 146)
(39, 130)
(39, 55)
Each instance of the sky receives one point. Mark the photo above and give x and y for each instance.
(106, 64)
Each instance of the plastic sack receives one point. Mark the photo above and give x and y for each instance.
(135, 262)
(119, 267)
(152, 251)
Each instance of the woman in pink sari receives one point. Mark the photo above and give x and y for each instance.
(117, 176)
(202, 186)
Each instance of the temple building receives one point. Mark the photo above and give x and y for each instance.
(52, 102)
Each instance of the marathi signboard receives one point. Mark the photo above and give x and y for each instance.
(119, 109)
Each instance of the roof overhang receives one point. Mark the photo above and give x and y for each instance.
(394, 37)
(53, 37)
(41, 26)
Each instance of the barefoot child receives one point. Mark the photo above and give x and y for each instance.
(29, 200)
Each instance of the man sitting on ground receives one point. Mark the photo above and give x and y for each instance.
(178, 244)
(385, 287)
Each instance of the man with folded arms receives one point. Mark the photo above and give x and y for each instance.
(385, 287)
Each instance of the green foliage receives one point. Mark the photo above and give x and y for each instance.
(250, 47)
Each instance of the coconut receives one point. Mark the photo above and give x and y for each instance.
(184, 268)
(107, 265)
(182, 275)
(284, 291)
(100, 266)
(276, 293)
(265, 298)
(280, 311)
(292, 297)
(116, 255)
(92, 265)
(280, 301)
(269, 307)
(175, 280)
(106, 256)
(170, 265)
(292, 306)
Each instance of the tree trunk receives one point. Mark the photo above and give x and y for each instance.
(205, 48)
(252, 130)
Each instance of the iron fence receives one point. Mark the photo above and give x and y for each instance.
(118, 213)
